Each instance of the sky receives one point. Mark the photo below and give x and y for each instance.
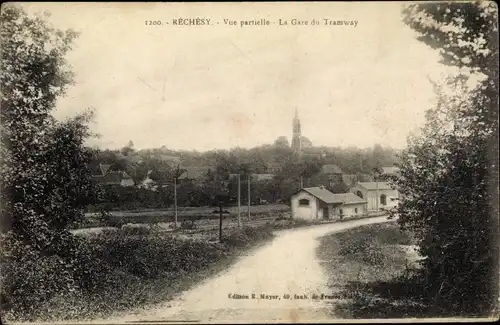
(220, 86)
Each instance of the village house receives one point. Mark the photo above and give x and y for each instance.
(148, 183)
(117, 178)
(273, 168)
(379, 195)
(194, 173)
(333, 173)
(317, 203)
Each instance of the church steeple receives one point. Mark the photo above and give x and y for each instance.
(296, 137)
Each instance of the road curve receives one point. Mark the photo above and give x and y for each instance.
(287, 265)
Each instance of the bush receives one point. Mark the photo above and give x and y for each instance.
(246, 236)
(30, 277)
(283, 217)
(188, 224)
(357, 244)
(133, 229)
(101, 271)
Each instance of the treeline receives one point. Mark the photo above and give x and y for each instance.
(257, 160)
(351, 160)
(289, 172)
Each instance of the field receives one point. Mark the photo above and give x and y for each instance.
(200, 223)
(372, 270)
(197, 211)
(198, 214)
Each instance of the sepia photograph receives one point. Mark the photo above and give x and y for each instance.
(249, 162)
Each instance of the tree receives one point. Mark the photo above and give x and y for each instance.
(449, 174)
(45, 182)
(128, 149)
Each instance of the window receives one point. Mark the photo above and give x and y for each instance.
(355, 210)
(358, 193)
(304, 202)
(383, 199)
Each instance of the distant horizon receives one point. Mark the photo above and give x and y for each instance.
(239, 148)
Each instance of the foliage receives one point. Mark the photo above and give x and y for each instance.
(44, 175)
(188, 224)
(116, 270)
(449, 174)
(45, 181)
(247, 236)
(370, 274)
(286, 182)
(129, 198)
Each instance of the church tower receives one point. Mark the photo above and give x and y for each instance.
(296, 137)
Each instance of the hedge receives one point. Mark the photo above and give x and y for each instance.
(106, 272)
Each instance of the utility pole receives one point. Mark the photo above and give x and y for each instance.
(239, 202)
(248, 180)
(220, 221)
(175, 200)
(301, 182)
(221, 198)
(375, 175)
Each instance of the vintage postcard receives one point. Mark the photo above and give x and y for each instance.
(267, 162)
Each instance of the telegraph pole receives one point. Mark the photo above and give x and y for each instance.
(375, 175)
(220, 220)
(248, 180)
(239, 201)
(175, 200)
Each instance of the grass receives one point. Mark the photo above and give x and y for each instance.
(369, 270)
(116, 218)
(134, 269)
(195, 211)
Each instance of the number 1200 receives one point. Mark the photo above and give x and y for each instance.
(153, 22)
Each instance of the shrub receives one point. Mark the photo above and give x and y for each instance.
(29, 278)
(131, 229)
(247, 236)
(282, 217)
(188, 224)
(100, 271)
(357, 244)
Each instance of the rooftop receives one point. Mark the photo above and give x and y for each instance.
(331, 198)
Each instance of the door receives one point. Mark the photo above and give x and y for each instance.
(325, 213)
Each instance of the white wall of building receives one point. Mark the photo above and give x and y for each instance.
(371, 197)
(127, 182)
(350, 210)
(309, 212)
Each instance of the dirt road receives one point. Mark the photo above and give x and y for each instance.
(286, 266)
